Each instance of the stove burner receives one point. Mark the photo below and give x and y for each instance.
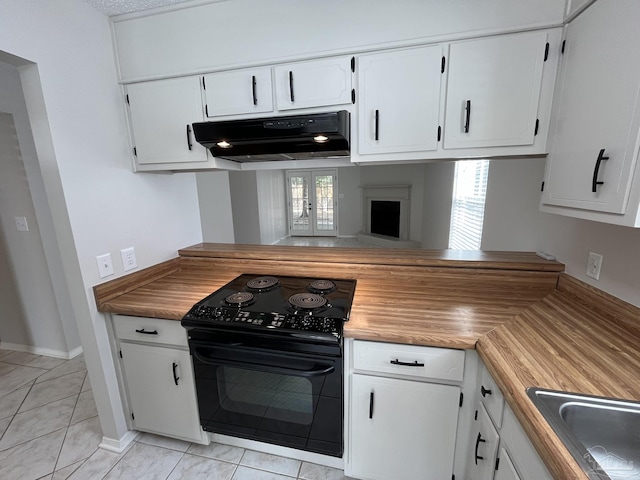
(307, 301)
(262, 284)
(240, 299)
(322, 286)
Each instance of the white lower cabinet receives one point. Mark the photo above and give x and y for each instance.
(505, 469)
(402, 424)
(484, 451)
(158, 378)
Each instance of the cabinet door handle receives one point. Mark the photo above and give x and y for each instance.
(478, 440)
(467, 119)
(594, 181)
(406, 364)
(175, 375)
(189, 144)
(152, 332)
(291, 86)
(253, 90)
(484, 391)
(371, 405)
(377, 122)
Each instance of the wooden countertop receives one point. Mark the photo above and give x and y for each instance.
(418, 297)
(578, 339)
(528, 328)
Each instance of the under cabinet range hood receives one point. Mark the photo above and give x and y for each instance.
(298, 137)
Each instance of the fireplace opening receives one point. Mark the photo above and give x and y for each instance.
(385, 218)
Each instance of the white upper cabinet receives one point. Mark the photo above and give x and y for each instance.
(594, 147)
(238, 92)
(161, 113)
(399, 100)
(315, 83)
(493, 90)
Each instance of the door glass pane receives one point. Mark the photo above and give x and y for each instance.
(324, 202)
(299, 203)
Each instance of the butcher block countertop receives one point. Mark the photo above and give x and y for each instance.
(531, 324)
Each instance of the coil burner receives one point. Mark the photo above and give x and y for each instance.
(262, 284)
(309, 302)
(322, 286)
(240, 299)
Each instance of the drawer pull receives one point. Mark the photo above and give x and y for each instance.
(142, 330)
(371, 405)
(484, 391)
(406, 364)
(478, 440)
(175, 376)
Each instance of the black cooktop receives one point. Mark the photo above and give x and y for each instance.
(274, 304)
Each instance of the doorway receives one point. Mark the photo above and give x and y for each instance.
(312, 203)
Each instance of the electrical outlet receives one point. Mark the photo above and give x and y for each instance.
(21, 224)
(594, 264)
(105, 267)
(129, 261)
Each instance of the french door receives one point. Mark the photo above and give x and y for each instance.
(311, 200)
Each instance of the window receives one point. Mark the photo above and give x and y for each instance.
(467, 210)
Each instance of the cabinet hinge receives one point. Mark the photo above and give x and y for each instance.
(497, 463)
(442, 64)
(475, 416)
(206, 110)
(353, 64)
(535, 131)
(133, 417)
(542, 187)
(203, 84)
(353, 96)
(564, 42)
(461, 397)
(439, 132)
(120, 353)
(135, 152)
(546, 52)
(127, 98)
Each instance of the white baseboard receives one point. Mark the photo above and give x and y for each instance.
(41, 351)
(118, 446)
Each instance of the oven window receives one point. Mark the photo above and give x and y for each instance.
(266, 395)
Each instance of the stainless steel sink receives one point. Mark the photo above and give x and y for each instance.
(602, 434)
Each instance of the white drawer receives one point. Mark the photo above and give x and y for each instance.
(152, 330)
(491, 396)
(411, 360)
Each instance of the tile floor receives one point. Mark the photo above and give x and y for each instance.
(349, 242)
(49, 430)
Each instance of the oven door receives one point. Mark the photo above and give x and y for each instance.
(271, 395)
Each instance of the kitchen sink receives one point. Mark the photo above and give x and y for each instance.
(602, 434)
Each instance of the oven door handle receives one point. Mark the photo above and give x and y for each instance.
(318, 369)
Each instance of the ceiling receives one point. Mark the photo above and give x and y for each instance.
(117, 7)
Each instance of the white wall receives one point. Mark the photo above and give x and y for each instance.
(214, 198)
(258, 31)
(349, 202)
(48, 322)
(244, 204)
(272, 205)
(513, 222)
(436, 207)
(97, 204)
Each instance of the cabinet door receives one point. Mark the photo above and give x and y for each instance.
(402, 429)
(493, 90)
(161, 390)
(238, 92)
(596, 108)
(399, 100)
(484, 447)
(505, 470)
(161, 114)
(313, 84)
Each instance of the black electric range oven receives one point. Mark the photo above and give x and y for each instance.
(267, 358)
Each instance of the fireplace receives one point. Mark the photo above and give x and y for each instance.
(386, 216)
